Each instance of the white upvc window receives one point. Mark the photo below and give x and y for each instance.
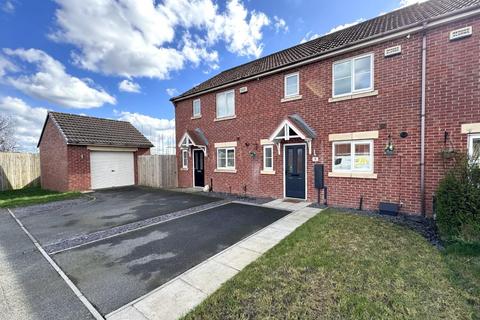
(226, 158)
(226, 104)
(184, 159)
(353, 75)
(197, 108)
(292, 85)
(353, 156)
(268, 158)
(474, 147)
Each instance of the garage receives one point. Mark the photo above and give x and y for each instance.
(80, 153)
(111, 169)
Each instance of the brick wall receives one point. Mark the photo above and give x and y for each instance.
(53, 159)
(396, 108)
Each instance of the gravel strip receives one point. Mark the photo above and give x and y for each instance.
(23, 212)
(95, 236)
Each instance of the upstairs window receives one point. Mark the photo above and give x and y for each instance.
(226, 104)
(292, 87)
(268, 158)
(353, 156)
(197, 108)
(353, 75)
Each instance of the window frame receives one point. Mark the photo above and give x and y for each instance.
(184, 159)
(265, 168)
(227, 167)
(352, 77)
(352, 155)
(285, 95)
(216, 104)
(472, 137)
(199, 114)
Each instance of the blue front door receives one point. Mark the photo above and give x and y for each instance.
(295, 171)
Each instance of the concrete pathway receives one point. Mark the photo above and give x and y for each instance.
(178, 296)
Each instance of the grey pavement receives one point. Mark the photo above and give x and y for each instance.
(29, 286)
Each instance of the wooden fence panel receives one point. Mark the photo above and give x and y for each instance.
(19, 170)
(159, 171)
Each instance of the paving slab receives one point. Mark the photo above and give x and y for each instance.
(170, 302)
(237, 257)
(209, 276)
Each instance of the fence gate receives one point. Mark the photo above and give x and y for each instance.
(19, 170)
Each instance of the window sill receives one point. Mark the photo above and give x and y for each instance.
(196, 117)
(358, 175)
(225, 118)
(293, 98)
(183, 169)
(270, 172)
(225, 170)
(354, 96)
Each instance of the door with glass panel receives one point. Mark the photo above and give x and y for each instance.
(295, 171)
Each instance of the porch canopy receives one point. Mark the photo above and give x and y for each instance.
(194, 138)
(293, 127)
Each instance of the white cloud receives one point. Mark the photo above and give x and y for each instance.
(310, 35)
(8, 6)
(28, 121)
(345, 26)
(135, 38)
(161, 132)
(404, 3)
(129, 86)
(279, 24)
(52, 83)
(6, 66)
(171, 91)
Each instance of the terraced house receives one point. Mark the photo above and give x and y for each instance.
(381, 105)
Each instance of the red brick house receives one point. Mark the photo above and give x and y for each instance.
(378, 104)
(83, 153)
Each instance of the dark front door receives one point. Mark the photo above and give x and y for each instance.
(198, 166)
(295, 171)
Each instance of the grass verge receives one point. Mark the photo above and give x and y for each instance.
(29, 196)
(345, 266)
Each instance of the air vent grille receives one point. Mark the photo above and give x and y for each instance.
(461, 33)
(393, 51)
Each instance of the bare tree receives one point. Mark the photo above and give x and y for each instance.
(7, 140)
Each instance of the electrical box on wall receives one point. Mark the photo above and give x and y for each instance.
(314, 159)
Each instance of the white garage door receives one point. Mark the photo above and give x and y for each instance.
(111, 169)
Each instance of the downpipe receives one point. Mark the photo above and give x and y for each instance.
(422, 121)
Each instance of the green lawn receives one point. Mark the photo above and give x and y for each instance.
(29, 196)
(346, 266)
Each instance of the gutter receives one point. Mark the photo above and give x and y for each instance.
(421, 26)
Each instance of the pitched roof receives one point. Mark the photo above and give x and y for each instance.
(302, 125)
(83, 130)
(374, 28)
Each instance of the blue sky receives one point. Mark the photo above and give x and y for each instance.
(124, 59)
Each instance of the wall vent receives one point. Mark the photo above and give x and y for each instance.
(393, 51)
(243, 89)
(461, 33)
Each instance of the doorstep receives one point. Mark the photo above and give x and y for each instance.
(287, 204)
(177, 297)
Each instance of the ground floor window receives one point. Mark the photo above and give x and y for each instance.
(474, 147)
(226, 158)
(353, 156)
(185, 159)
(268, 158)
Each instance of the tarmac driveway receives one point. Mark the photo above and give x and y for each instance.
(118, 245)
(55, 222)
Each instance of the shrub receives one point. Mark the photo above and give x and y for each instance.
(458, 202)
